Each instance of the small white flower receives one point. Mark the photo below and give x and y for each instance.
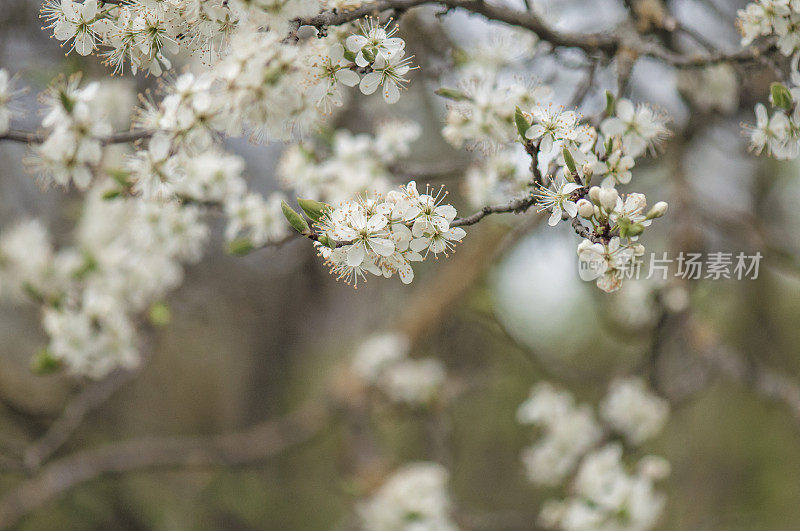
(388, 72)
(556, 201)
(375, 41)
(639, 127)
(552, 127)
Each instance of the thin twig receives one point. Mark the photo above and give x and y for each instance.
(29, 137)
(89, 399)
(257, 443)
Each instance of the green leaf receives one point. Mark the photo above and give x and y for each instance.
(44, 362)
(350, 56)
(159, 314)
(66, 101)
(313, 209)
(522, 123)
(240, 246)
(781, 97)
(452, 94)
(111, 194)
(610, 103)
(569, 161)
(295, 220)
(120, 176)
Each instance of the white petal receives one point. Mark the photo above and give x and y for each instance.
(376, 222)
(89, 9)
(406, 273)
(419, 244)
(355, 255)
(347, 77)
(390, 92)
(382, 246)
(456, 234)
(354, 43)
(369, 83)
(555, 217)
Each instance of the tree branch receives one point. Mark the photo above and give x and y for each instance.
(89, 399)
(29, 137)
(259, 442)
(606, 43)
(516, 206)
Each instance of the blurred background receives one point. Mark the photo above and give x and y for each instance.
(255, 337)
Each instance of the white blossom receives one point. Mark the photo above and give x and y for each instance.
(634, 411)
(415, 498)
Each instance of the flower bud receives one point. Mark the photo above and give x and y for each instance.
(608, 198)
(588, 171)
(585, 209)
(594, 194)
(654, 467)
(658, 210)
(638, 249)
(295, 219)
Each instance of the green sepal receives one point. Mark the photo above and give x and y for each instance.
(159, 314)
(522, 123)
(313, 209)
(569, 161)
(610, 103)
(327, 242)
(452, 94)
(781, 97)
(295, 220)
(239, 246)
(44, 362)
(350, 55)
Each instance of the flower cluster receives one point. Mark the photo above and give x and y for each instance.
(383, 235)
(569, 431)
(348, 164)
(414, 497)
(499, 177)
(779, 135)
(382, 361)
(73, 147)
(623, 219)
(482, 110)
(603, 494)
(771, 17)
(127, 255)
(633, 411)
(578, 153)
(145, 33)
(607, 496)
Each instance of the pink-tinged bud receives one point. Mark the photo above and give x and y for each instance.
(585, 209)
(658, 210)
(608, 198)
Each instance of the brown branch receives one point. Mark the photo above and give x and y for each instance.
(89, 399)
(29, 137)
(259, 442)
(753, 374)
(605, 43)
(523, 19)
(517, 206)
